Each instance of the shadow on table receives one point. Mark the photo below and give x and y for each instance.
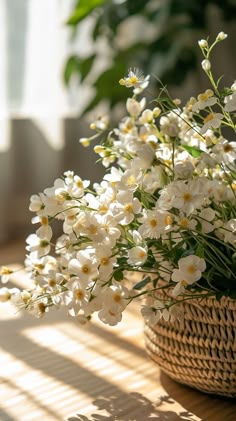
(133, 407)
(203, 405)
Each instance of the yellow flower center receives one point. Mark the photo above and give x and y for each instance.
(79, 184)
(209, 117)
(153, 222)
(117, 297)
(187, 197)
(103, 209)
(206, 95)
(184, 222)
(133, 80)
(105, 261)
(142, 254)
(5, 271)
(129, 208)
(92, 229)
(79, 294)
(44, 220)
(191, 269)
(52, 282)
(85, 269)
(227, 148)
(131, 180)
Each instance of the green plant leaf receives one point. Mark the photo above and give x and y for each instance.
(195, 152)
(83, 9)
(118, 275)
(72, 67)
(76, 65)
(85, 66)
(107, 86)
(142, 283)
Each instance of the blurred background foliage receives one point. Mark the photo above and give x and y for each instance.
(158, 36)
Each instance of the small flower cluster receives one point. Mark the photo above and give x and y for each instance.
(165, 209)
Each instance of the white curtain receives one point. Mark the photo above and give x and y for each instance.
(39, 128)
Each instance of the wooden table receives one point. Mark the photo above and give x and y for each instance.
(52, 370)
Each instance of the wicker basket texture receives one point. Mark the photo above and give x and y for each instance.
(200, 351)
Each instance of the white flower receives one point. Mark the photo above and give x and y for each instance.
(170, 124)
(230, 102)
(105, 262)
(224, 151)
(186, 223)
(134, 107)
(76, 297)
(207, 99)
(5, 274)
(189, 271)
(131, 178)
(136, 80)
(186, 196)
(206, 216)
(78, 186)
(156, 312)
(36, 203)
(84, 265)
(115, 300)
(137, 256)
(183, 170)
(100, 124)
(40, 246)
(146, 117)
(109, 316)
(126, 207)
(154, 223)
(212, 120)
(230, 232)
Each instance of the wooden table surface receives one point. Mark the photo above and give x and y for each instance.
(53, 370)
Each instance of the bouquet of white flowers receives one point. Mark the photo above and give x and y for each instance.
(165, 209)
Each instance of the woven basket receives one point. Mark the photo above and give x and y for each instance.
(201, 351)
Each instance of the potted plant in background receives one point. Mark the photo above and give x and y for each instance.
(165, 210)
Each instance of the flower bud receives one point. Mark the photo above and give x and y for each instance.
(203, 43)
(84, 141)
(4, 295)
(221, 36)
(156, 112)
(206, 65)
(99, 149)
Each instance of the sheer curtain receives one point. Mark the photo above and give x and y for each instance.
(39, 128)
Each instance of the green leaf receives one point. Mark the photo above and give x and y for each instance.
(72, 67)
(118, 275)
(82, 9)
(85, 66)
(200, 251)
(78, 66)
(195, 152)
(143, 283)
(107, 86)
